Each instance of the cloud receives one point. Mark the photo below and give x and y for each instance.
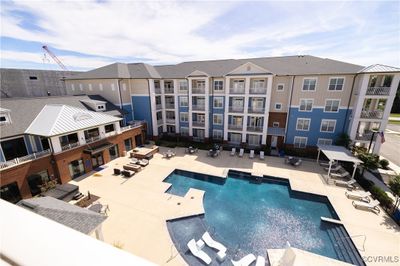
(175, 31)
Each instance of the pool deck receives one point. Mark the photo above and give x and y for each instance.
(139, 206)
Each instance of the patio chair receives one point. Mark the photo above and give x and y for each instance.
(132, 167)
(260, 261)
(251, 155)
(143, 162)
(343, 174)
(233, 152)
(362, 195)
(241, 152)
(198, 253)
(134, 160)
(245, 261)
(372, 206)
(127, 173)
(262, 155)
(349, 184)
(215, 245)
(117, 171)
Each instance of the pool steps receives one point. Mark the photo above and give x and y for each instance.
(330, 220)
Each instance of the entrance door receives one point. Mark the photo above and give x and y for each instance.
(138, 140)
(113, 152)
(97, 160)
(274, 141)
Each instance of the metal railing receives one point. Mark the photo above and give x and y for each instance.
(378, 91)
(158, 106)
(159, 122)
(365, 136)
(92, 139)
(256, 110)
(168, 90)
(134, 124)
(236, 109)
(70, 146)
(170, 106)
(235, 126)
(29, 157)
(198, 124)
(199, 90)
(198, 107)
(255, 129)
(373, 114)
(157, 90)
(258, 90)
(170, 120)
(236, 90)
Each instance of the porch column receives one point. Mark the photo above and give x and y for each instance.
(319, 152)
(329, 170)
(354, 170)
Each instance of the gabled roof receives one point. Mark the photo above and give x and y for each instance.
(112, 71)
(24, 110)
(378, 68)
(75, 217)
(57, 119)
(141, 70)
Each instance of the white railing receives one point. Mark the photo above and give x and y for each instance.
(158, 106)
(255, 129)
(170, 106)
(170, 120)
(378, 91)
(29, 157)
(235, 126)
(159, 122)
(198, 107)
(70, 146)
(256, 110)
(236, 90)
(198, 124)
(236, 109)
(374, 114)
(135, 124)
(198, 90)
(157, 90)
(365, 136)
(258, 90)
(92, 139)
(168, 90)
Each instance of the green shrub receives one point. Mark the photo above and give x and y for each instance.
(157, 142)
(363, 182)
(384, 163)
(381, 196)
(371, 161)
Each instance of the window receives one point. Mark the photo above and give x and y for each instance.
(300, 142)
(238, 84)
(306, 105)
(217, 134)
(10, 192)
(128, 144)
(218, 102)
(109, 128)
(275, 124)
(184, 117)
(280, 87)
(254, 140)
(76, 168)
(183, 85)
(259, 83)
(217, 119)
(33, 78)
(328, 125)
(201, 84)
(91, 133)
(303, 124)
(3, 119)
(324, 142)
(183, 101)
(336, 84)
(332, 105)
(278, 106)
(218, 85)
(236, 138)
(309, 84)
(101, 107)
(168, 85)
(184, 131)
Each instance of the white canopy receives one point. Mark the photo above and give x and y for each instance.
(338, 153)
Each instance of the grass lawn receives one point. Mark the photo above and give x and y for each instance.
(394, 115)
(392, 121)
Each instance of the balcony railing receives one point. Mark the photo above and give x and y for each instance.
(378, 91)
(256, 110)
(29, 157)
(170, 120)
(255, 129)
(70, 146)
(365, 136)
(198, 107)
(198, 123)
(159, 122)
(170, 106)
(92, 139)
(133, 124)
(258, 90)
(374, 114)
(236, 90)
(198, 90)
(157, 90)
(158, 106)
(236, 109)
(235, 126)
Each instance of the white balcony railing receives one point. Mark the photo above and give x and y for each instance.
(134, 124)
(378, 91)
(157, 90)
(235, 126)
(198, 107)
(170, 120)
(198, 123)
(169, 90)
(258, 90)
(255, 128)
(236, 90)
(70, 146)
(170, 106)
(198, 90)
(374, 114)
(29, 157)
(365, 136)
(158, 106)
(236, 109)
(93, 139)
(256, 110)
(159, 122)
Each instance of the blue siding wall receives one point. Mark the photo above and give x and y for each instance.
(182, 110)
(316, 117)
(216, 111)
(2, 159)
(129, 116)
(142, 111)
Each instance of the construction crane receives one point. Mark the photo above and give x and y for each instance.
(55, 58)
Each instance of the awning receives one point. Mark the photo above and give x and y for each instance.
(98, 148)
(338, 153)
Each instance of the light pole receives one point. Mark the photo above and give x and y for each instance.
(372, 139)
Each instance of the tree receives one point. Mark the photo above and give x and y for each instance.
(343, 140)
(394, 185)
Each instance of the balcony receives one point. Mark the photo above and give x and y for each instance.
(258, 90)
(374, 114)
(198, 107)
(70, 146)
(170, 120)
(158, 106)
(236, 90)
(198, 123)
(385, 91)
(255, 128)
(134, 124)
(26, 158)
(236, 109)
(92, 139)
(169, 90)
(169, 106)
(256, 110)
(159, 122)
(235, 126)
(157, 90)
(365, 136)
(198, 90)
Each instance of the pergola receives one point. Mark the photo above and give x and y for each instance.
(338, 153)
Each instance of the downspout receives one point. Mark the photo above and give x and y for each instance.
(348, 104)
(120, 98)
(212, 108)
(290, 104)
(151, 116)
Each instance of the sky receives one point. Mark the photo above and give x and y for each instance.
(89, 34)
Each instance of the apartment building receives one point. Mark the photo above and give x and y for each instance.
(59, 138)
(292, 101)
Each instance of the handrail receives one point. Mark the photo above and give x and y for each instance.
(29, 157)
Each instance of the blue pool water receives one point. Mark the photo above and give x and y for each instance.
(254, 217)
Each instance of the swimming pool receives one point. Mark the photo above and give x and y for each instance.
(252, 216)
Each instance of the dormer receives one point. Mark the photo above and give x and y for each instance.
(5, 116)
(95, 105)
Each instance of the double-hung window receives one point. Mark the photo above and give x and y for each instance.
(300, 142)
(324, 141)
(184, 117)
(218, 102)
(306, 105)
(328, 126)
(332, 106)
(217, 134)
(309, 84)
(217, 119)
(218, 85)
(336, 84)
(303, 124)
(183, 101)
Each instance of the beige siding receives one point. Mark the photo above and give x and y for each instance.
(280, 96)
(139, 86)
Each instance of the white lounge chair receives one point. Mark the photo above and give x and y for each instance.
(334, 168)
(260, 261)
(198, 252)
(343, 174)
(215, 245)
(372, 206)
(233, 152)
(362, 195)
(241, 152)
(245, 261)
(251, 155)
(349, 184)
(327, 164)
(262, 155)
